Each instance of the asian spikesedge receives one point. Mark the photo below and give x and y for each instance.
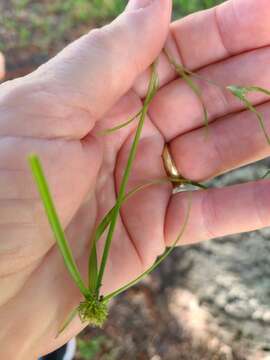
(94, 308)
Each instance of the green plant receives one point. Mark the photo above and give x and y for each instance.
(52, 22)
(185, 7)
(89, 349)
(240, 92)
(93, 309)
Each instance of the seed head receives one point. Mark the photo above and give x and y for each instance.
(94, 311)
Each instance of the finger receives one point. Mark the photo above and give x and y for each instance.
(210, 36)
(233, 141)
(176, 109)
(90, 75)
(143, 214)
(219, 212)
(103, 65)
(228, 29)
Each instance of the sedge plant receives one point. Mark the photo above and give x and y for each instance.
(94, 307)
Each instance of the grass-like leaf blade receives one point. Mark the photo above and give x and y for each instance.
(240, 93)
(186, 76)
(93, 272)
(67, 321)
(93, 268)
(257, 89)
(54, 221)
(120, 126)
(197, 91)
(266, 175)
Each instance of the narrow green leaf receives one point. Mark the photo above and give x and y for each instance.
(93, 263)
(120, 126)
(240, 93)
(197, 91)
(93, 268)
(260, 119)
(237, 91)
(257, 89)
(54, 221)
(92, 278)
(265, 175)
(67, 321)
(158, 262)
(186, 75)
(199, 77)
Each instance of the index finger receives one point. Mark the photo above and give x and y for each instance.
(229, 29)
(209, 36)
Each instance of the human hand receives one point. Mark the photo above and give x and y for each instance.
(58, 111)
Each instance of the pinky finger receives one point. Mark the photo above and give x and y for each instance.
(219, 212)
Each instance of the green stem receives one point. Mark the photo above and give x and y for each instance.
(92, 264)
(151, 92)
(199, 77)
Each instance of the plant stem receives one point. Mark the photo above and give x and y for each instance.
(151, 91)
(92, 279)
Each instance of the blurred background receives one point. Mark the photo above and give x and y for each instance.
(33, 30)
(206, 302)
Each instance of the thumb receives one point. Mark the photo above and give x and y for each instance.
(100, 67)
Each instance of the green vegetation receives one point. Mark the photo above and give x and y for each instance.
(48, 25)
(93, 309)
(185, 7)
(90, 349)
(97, 348)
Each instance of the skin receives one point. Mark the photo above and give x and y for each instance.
(97, 83)
(2, 66)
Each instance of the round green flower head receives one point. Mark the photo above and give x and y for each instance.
(94, 311)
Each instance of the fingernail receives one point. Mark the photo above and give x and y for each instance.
(138, 4)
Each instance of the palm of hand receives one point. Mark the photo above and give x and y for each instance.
(84, 190)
